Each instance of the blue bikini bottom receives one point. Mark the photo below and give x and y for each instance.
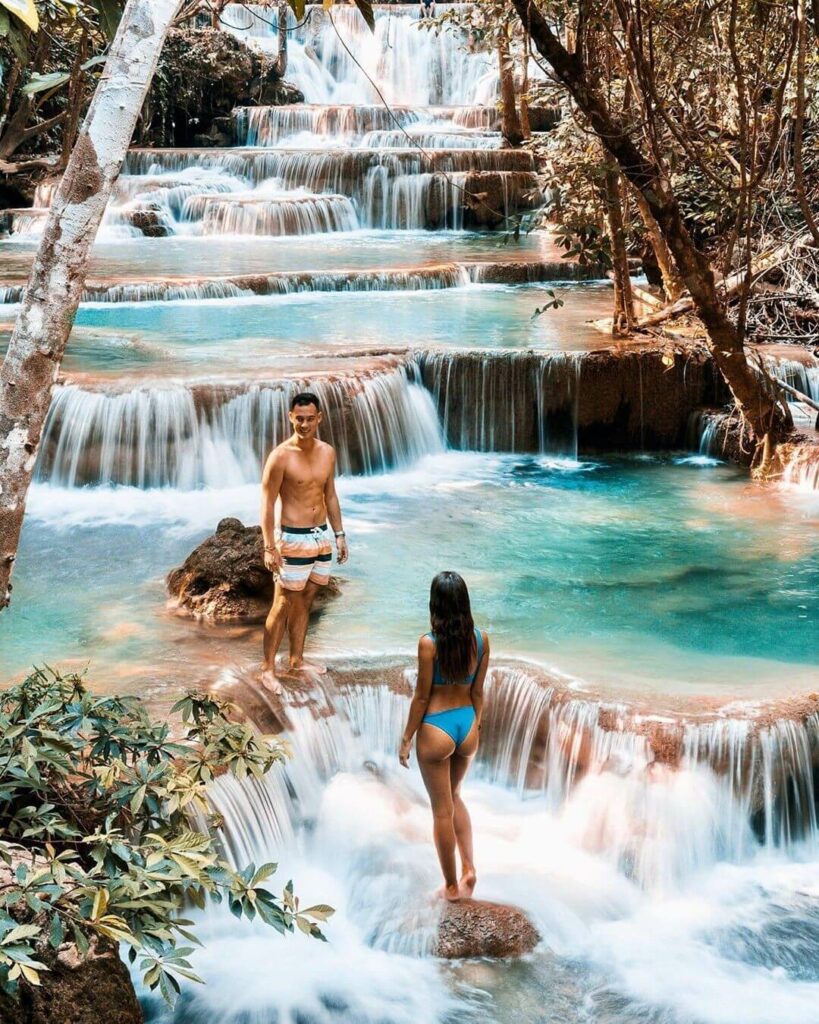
(456, 722)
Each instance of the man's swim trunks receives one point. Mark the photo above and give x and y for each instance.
(306, 555)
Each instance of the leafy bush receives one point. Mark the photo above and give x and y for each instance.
(97, 811)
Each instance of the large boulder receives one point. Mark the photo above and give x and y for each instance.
(224, 579)
(202, 75)
(77, 990)
(74, 989)
(475, 928)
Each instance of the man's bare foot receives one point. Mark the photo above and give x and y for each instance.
(449, 893)
(466, 886)
(308, 668)
(270, 682)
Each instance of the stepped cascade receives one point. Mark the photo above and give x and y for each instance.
(646, 784)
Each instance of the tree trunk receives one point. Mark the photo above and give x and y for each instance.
(280, 67)
(756, 403)
(672, 285)
(58, 275)
(623, 319)
(510, 123)
(525, 127)
(799, 122)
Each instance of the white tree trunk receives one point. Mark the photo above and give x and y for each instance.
(57, 278)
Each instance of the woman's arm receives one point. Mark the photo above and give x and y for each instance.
(420, 699)
(476, 693)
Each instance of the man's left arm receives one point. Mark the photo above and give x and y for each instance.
(334, 512)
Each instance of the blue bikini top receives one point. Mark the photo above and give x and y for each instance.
(438, 679)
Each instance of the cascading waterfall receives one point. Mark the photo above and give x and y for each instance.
(284, 215)
(270, 126)
(410, 62)
(505, 401)
(719, 791)
(199, 436)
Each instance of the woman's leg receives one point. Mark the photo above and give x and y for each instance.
(458, 767)
(434, 748)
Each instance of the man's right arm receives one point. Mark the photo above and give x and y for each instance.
(271, 486)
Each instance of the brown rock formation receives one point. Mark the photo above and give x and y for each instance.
(474, 928)
(77, 991)
(202, 75)
(491, 196)
(224, 579)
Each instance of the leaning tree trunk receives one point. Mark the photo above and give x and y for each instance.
(58, 275)
(510, 122)
(623, 320)
(757, 404)
(672, 284)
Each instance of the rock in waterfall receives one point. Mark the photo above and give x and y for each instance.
(224, 579)
(473, 928)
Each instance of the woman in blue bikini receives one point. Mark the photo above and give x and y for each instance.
(446, 714)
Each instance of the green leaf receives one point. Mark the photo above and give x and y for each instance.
(42, 83)
(56, 932)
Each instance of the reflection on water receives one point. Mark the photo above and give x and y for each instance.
(634, 573)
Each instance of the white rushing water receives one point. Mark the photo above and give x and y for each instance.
(657, 889)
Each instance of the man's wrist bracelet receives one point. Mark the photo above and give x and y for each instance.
(270, 549)
(340, 533)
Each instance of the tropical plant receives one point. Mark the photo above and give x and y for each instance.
(104, 828)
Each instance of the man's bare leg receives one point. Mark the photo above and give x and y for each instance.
(300, 605)
(274, 628)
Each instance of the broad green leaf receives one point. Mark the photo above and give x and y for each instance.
(25, 11)
(41, 83)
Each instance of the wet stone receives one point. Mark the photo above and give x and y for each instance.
(475, 928)
(224, 579)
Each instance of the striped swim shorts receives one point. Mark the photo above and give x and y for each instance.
(306, 555)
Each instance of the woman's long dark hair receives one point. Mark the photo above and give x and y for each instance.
(451, 617)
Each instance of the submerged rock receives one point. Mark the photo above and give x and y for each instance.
(473, 928)
(224, 579)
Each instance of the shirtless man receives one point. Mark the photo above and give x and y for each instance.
(301, 473)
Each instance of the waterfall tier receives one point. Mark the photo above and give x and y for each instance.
(211, 435)
(383, 415)
(246, 215)
(611, 765)
(273, 126)
(430, 277)
(334, 58)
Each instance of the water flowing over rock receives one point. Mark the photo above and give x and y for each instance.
(612, 398)
(474, 928)
(224, 579)
(201, 435)
(660, 793)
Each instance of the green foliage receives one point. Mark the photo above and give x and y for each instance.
(100, 817)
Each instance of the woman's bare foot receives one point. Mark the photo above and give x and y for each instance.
(270, 682)
(309, 668)
(449, 893)
(466, 886)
